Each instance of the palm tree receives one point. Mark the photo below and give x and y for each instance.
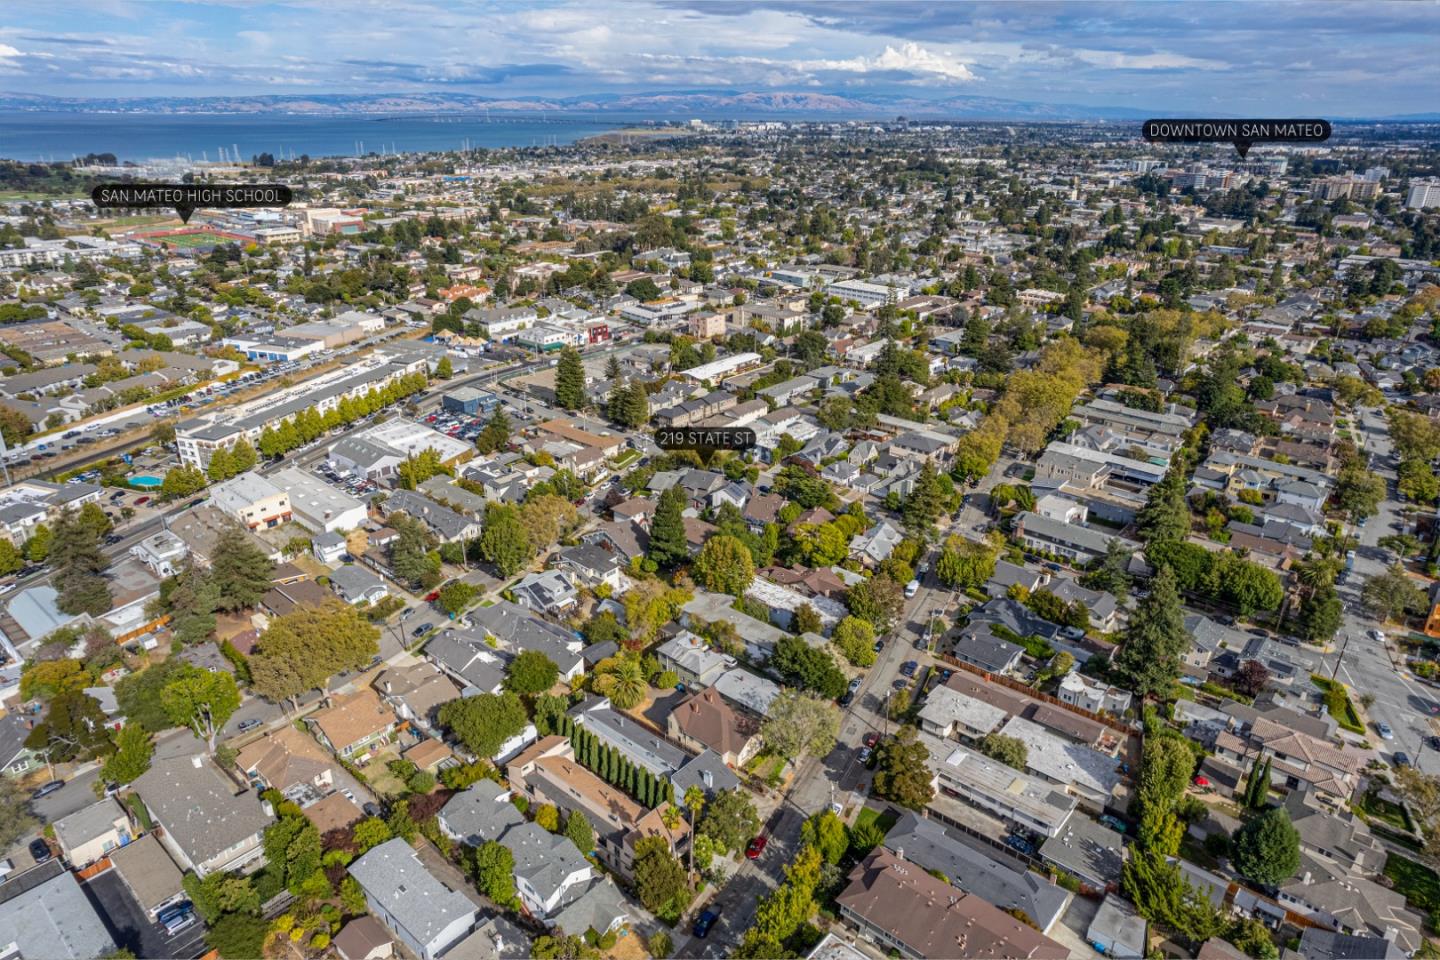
(694, 801)
(624, 682)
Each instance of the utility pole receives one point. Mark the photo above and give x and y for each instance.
(1343, 647)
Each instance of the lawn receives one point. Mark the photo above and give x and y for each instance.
(626, 459)
(884, 820)
(1377, 808)
(1417, 883)
(1341, 709)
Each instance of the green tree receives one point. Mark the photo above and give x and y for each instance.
(878, 600)
(812, 668)
(531, 673)
(725, 566)
(79, 567)
(801, 724)
(74, 728)
(495, 874)
(370, 833)
(965, 564)
(201, 700)
(668, 544)
(239, 570)
(238, 936)
(1010, 751)
(926, 503)
(16, 819)
(1166, 515)
(1266, 849)
(131, 757)
(855, 639)
(183, 481)
(1149, 661)
(456, 596)
(902, 770)
(302, 649)
(578, 829)
(37, 548)
(623, 679)
(1162, 895)
(1358, 491)
(292, 846)
(1392, 595)
(484, 722)
(411, 555)
(444, 370)
(219, 467)
(826, 832)
(1321, 615)
(503, 541)
(730, 819)
(496, 433)
(570, 380)
(659, 877)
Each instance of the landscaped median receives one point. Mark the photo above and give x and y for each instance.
(1337, 702)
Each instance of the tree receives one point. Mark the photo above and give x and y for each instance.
(1165, 767)
(659, 877)
(455, 596)
(725, 566)
(370, 833)
(73, 729)
(1358, 491)
(1252, 937)
(623, 679)
(1321, 615)
(37, 548)
(239, 571)
(238, 936)
(902, 770)
(578, 829)
(812, 668)
(292, 847)
(568, 947)
(131, 757)
(416, 468)
(202, 700)
(1251, 678)
(1421, 793)
(45, 679)
(444, 370)
(183, 481)
(926, 502)
(1149, 661)
(1010, 751)
(495, 874)
(965, 564)
(807, 620)
(302, 649)
(503, 540)
(801, 724)
(79, 567)
(1392, 595)
(1111, 572)
(730, 819)
(879, 600)
(1162, 895)
(1244, 584)
(826, 832)
(531, 673)
(138, 694)
(668, 544)
(570, 380)
(1166, 515)
(192, 603)
(1266, 848)
(16, 820)
(483, 723)
(15, 426)
(855, 639)
(496, 433)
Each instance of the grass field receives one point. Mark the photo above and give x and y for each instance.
(884, 820)
(190, 241)
(1417, 883)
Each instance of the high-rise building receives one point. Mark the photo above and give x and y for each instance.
(1423, 195)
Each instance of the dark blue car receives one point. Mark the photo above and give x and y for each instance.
(704, 922)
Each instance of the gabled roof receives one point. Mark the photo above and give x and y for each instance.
(395, 879)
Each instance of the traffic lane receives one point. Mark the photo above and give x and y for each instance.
(78, 793)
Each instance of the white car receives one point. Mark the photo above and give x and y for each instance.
(1377, 636)
(1385, 732)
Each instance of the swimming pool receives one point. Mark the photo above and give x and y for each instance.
(145, 482)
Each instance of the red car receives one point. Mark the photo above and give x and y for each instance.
(142, 501)
(756, 847)
(871, 739)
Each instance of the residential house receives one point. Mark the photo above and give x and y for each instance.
(997, 880)
(447, 525)
(416, 692)
(92, 832)
(46, 914)
(208, 825)
(592, 565)
(1088, 850)
(1087, 693)
(353, 724)
(1011, 795)
(479, 814)
(704, 720)
(547, 867)
(289, 761)
(1075, 543)
(692, 659)
(898, 906)
(148, 873)
(549, 591)
(426, 916)
(253, 500)
(355, 585)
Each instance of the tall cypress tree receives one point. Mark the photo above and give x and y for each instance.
(1262, 786)
(570, 380)
(668, 546)
(1149, 662)
(1247, 795)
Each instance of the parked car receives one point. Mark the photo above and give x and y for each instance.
(879, 644)
(1377, 635)
(909, 667)
(250, 724)
(47, 789)
(871, 739)
(1114, 823)
(40, 850)
(865, 754)
(1401, 759)
(912, 588)
(421, 630)
(1020, 844)
(176, 918)
(1385, 732)
(755, 847)
(704, 922)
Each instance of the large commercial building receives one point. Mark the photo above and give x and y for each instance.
(316, 504)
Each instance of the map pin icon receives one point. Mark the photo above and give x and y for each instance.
(185, 210)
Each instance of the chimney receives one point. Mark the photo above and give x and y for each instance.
(708, 777)
(900, 853)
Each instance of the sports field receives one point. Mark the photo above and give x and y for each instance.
(190, 240)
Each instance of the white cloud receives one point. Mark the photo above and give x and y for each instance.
(1117, 60)
(906, 58)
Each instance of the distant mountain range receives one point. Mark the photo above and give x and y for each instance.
(715, 104)
(706, 104)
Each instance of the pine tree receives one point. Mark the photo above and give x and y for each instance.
(1149, 661)
(1247, 795)
(1262, 787)
(570, 380)
(668, 545)
(612, 369)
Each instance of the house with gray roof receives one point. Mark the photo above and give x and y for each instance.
(637, 744)
(355, 584)
(1087, 850)
(480, 813)
(423, 913)
(1009, 575)
(600, 906)
(874, 545)
(209, 825)
(548, 591)
(693, 660)
(515, 630)
(999, 880)
(547, 866)
(707, 771)
(469, 660)
(445, 523)
(1068, 540)
(45, 914)
(978, 646)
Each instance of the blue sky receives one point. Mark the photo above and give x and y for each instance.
(1231, 58)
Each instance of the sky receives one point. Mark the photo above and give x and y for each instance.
(1232, 58)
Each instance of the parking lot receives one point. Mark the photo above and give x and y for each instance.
(132, 928)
